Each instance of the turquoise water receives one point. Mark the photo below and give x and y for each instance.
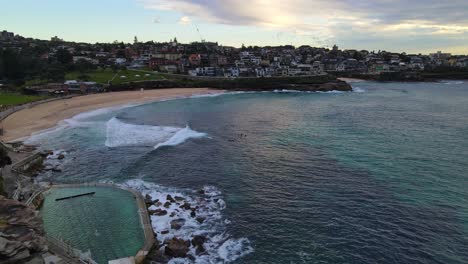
(106, 223)
(376, 176)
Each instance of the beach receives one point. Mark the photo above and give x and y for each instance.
(44, 116)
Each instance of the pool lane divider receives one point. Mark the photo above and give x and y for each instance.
(75, 196)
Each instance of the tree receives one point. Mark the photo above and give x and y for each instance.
(83, 66)
(54, 73)
(135, 40)
(64, 56)
(4, 158)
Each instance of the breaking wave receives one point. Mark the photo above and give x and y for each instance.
(452, 82)
(298, 91)
(358, 90)
(180, 137)
(185, 214)
(120, 134)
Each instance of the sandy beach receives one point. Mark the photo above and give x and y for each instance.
(44, 116)
(350, 80)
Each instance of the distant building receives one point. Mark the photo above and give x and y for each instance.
(7, 36)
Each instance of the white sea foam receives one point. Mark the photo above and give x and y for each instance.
(120, 134)
(217, 94)
(331, 92)
(358, 90)
(233, 249)
(204, 218)
(298, 91)
(452, 82)
(180, 137)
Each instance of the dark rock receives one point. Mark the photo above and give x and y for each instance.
(21, 233)
(192, 258)
(158, 212)
(193, 214)
(198, 240)
(200, 250)
(148, 199)
(164, 232)
(185, 206)
(167, 204)
(170, 199)
(178, 198)
(156, 256)
(177, 223)
(201, 191)
(172, 214)
(61, 156)
(200, 219)
(177, 248)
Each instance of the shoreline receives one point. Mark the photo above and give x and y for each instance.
(27, 122)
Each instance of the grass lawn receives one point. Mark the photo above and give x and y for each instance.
(16, 98)
(104, 75)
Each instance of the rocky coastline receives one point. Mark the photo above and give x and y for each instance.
(22, 238)
(322, 83)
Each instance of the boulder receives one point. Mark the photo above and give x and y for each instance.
(61, 156)
(170, 199)
(158, 212)
(21, 233)
(178, 198)
(177, 223)
(177, 248)
(185, 206)
(200, 219)
(167, 204)
(148, 199)
(198, 240)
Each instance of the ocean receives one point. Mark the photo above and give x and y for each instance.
(377, 175)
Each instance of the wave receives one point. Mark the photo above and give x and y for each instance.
(298, 91)
(120, 134)
(452, 82)
(196, 214)
(218, 94)
(180, 137)
(358, 90)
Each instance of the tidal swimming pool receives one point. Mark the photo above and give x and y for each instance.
(107, 223)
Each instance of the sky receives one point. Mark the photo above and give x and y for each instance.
(413, 26)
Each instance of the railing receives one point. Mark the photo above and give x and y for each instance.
(19, 167)
(17, 192)
(31, 199)
(66, 249)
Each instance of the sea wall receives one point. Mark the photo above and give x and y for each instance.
(405, 76)
(10, 110)
(305, 83)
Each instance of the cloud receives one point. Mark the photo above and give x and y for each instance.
(156, 20)
(185, 20)
(327, 19)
